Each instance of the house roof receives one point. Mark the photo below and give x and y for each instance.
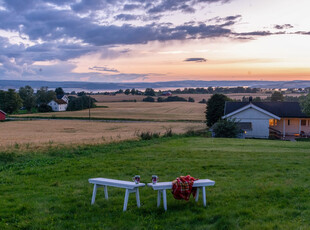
(60, 101)
(60, 96)
(2, 112)
(280, 109)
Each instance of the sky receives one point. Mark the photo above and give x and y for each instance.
(154, 40)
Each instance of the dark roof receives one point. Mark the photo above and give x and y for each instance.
(2, 112)
(280, 109)
(60, 101)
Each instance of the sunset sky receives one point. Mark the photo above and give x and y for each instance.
(154, 40)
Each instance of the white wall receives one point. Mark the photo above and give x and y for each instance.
(56, 107)
(259, 120)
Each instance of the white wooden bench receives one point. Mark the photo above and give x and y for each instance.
(161, 187)
(131, 187)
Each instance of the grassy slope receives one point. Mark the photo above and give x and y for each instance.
(259, 185)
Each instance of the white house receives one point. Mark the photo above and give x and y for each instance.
(263, 119)
(59, 104)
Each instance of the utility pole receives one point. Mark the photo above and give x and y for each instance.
(89, 105)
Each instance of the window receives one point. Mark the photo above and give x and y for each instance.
(288, 122)
(303, 122)
(273, 122)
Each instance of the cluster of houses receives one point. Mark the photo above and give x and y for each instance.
(283, 120)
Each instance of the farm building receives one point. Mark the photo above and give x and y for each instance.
(168, 94)
(2, 115)
(263, 119)
(58, 105)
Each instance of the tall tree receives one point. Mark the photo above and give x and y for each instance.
(149, 92)
(59, 91)
(27, 95)
(215, 108)
(127, 91)
(305, 104)
(277, 96)
(10, 101)
(44, 96)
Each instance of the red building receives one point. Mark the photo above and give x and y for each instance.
(2, 115)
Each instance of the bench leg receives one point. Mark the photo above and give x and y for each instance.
(94, 194)
(165, 199)
(197, 195)
(204, 196)
(158, 198)
(138, 197)
(126, 200)
(106, 192)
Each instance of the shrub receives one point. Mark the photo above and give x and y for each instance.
(203, 101)
(175, 98)
(226, 128)
(160, 99)
(148, 135)
(168, 133)
(44, 108)
(149, 99)
(190, 99)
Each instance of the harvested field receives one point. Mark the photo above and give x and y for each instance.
(197, 97)
(139, 110)
(40, 133)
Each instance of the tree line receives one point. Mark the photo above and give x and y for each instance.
(12, 101)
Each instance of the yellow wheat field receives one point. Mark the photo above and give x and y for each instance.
(44, 133)
(197, 97)
(139, 110)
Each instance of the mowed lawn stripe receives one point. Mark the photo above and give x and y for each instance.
(260, 184)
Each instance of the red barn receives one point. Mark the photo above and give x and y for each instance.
(2, 115)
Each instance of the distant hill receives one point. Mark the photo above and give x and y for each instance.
(69, 86)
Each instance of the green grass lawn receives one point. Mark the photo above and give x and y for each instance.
(260, 184)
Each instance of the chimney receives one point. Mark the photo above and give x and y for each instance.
(250, 99)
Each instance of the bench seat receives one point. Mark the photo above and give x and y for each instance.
(131, 187)
(161, 187)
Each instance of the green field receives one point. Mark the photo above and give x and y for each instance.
(260, 184)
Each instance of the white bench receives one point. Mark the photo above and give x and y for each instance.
(131, 187)
(161, 187)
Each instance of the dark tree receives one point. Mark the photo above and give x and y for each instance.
(81, 93)
(190, 99)
(59, 91)
(79, 103)
(27, 95)
(203, 101)
(133, 91)
(148, 99)
(277, 96)
(149, 92)
(305, 104)
(10, 101)
(44, 96)
(215, 108)
(44, 108)
(160, 99)
(127, 91)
